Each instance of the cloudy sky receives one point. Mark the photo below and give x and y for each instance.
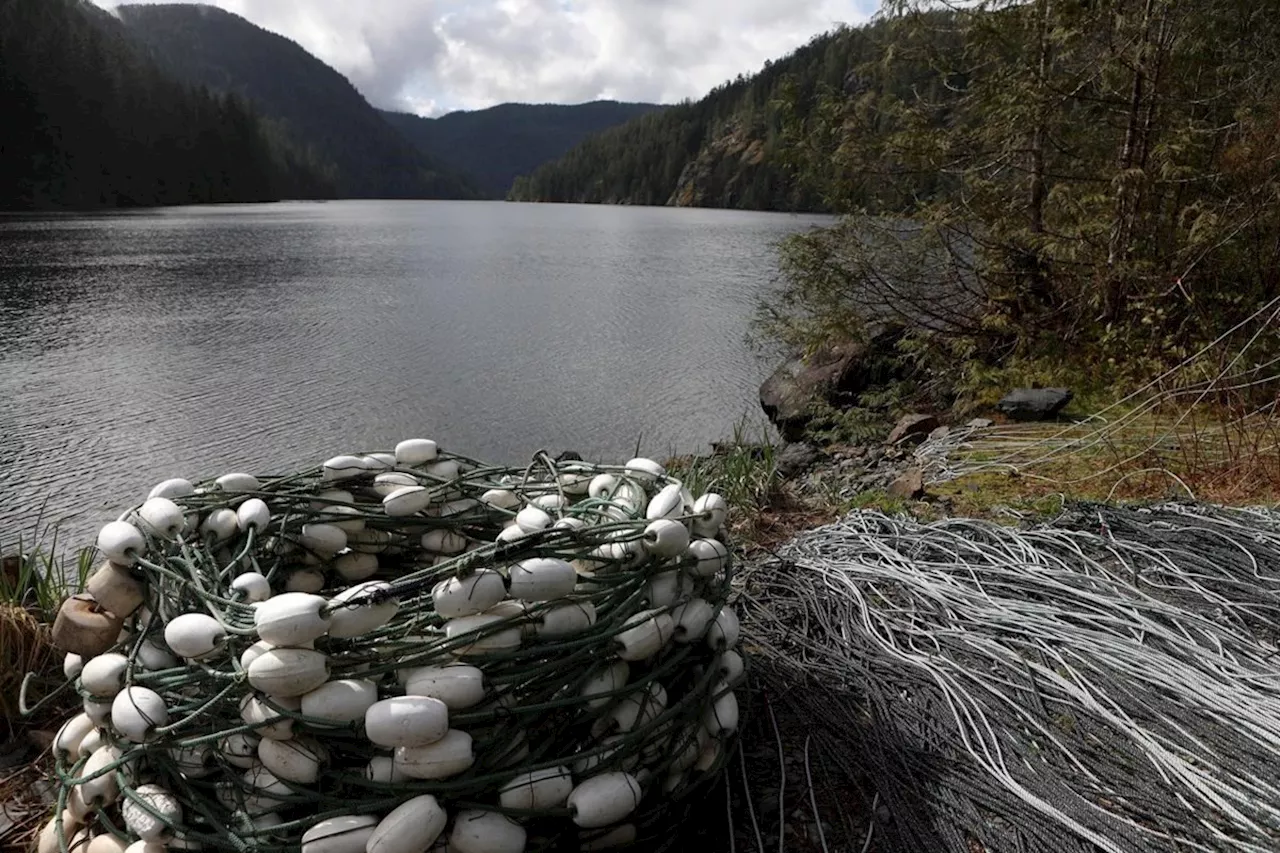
(432, 56)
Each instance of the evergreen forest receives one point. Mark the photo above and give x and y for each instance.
(91, 122)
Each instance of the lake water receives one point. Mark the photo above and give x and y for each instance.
(267, 338)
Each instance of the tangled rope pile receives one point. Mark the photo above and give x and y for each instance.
(395, 648)
(1107, 682)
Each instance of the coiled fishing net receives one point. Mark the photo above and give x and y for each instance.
(1109, 681)
(550, 648)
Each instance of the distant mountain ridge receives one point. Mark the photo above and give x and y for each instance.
(494, 146)
(315, 106)
(737, 147)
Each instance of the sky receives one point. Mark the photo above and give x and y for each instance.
(433, 56)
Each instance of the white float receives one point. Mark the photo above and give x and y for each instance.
(416, 451)
(255, 711)
(644, 634)
(691, 620)
(220, 524)
(605, 799)
(411, 827)
(160, 517)
(136, 712)
(342, 468)
(447, 757)
(252, 586)
(443, 541)
(338, 702)
(150, 812)
(348, 619)
(602, 688)
(470, 595)
(286, 672)
(537, 790)
(239, 749)
(103, 789)
(730, 666)
(458, 686)
(666, 588)
(175, 487)
(391, 481)
(722, 717)
(644, 470)
(542, 579)
(356, 565)
(237, 482)
(121, 542)
(489, 638)
(349, 519)
(406, 721)
(531, 519)
(667, 503)
(91, 742)
(347, 834)
(323, 539)
(724, 631)
(382, 769)
(295, 760)
(566, 620)
(291, 619)
(194, 635)
(406, 501)
(104, 675)
(380, 461)
(445, 469)
(66, 743)
(708, 556)
(254, 515)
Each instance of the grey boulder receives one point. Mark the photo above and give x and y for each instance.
(1034, 404)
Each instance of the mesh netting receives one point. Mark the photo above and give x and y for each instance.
(1109, 681)
(543, 658)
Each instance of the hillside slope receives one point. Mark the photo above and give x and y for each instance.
(494, 146)
(733, 148)
(311, 102)
(88, 122)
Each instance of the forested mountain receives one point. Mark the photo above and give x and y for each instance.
(1106, 201)
(313, 104)
(728, 149)
(496, 145)
(86, 121)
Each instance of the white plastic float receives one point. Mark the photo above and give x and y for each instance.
(411, 827)
(605, 799)
(458, 686)
(348, 834)
(448, 756)
(406, 721)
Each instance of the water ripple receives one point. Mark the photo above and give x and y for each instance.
(188, 342)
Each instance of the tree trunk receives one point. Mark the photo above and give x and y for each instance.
(1128, 189)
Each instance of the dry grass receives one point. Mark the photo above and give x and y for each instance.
(1206, 455)
(26, 645)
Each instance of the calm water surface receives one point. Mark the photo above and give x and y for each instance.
(195, 341)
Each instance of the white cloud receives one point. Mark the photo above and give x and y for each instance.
(432, 55)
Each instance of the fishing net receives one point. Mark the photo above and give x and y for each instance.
(395, 648)
(1105, 682)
